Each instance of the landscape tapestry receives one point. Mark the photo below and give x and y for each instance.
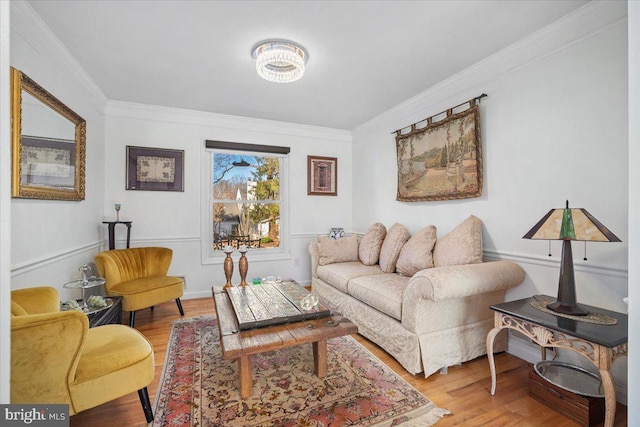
(442, 160)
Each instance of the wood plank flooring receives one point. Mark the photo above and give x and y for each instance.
(464, 390)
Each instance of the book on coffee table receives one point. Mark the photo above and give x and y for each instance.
(272, 304)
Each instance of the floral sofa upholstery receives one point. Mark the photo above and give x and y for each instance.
(424, 300)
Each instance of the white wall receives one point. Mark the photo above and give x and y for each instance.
(554, 127)
(52, 239)
(5, 204)
(175, 219)
(633, 416)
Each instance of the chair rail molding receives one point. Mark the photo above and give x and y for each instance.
(554, 262)
(34, 264)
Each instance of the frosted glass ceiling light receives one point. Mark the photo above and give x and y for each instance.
(279, 61)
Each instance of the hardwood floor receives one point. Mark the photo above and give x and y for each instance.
(464, 390)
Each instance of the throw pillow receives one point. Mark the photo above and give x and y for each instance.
(371, 243)
(417, 253)
(396, 237)
(344, 249)
(462, 245)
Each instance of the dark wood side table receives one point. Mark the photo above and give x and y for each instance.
(105, 317)
(600, 344)
(112, 232)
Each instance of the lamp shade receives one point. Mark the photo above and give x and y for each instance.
(569, 224)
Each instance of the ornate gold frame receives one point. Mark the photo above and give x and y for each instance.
(50, 191)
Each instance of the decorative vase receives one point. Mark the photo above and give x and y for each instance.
(243, 265)
(336, 233)
(228, 266)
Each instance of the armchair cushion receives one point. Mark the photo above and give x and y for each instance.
(147, 291)
(103, 367)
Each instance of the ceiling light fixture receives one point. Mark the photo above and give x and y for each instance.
(279, 61)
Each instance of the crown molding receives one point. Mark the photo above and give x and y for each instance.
(223, 121)
(30, 26)
(583, 23)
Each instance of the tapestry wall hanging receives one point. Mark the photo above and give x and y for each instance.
(443, 159)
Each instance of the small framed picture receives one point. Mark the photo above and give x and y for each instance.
(155, 169)
(322, 176)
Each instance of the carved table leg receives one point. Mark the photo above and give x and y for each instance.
(490, 338)
(609, 397)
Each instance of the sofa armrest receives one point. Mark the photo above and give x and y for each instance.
(437, 284)
(315, 257)
(45, 350)
(42, 299)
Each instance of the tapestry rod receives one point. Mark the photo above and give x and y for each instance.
(477, 98)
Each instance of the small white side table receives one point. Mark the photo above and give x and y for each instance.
(85, 284)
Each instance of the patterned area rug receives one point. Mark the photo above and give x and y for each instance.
(199, 388)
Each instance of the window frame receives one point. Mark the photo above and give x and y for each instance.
(211, 256)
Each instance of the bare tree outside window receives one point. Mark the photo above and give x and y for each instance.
(246, 200)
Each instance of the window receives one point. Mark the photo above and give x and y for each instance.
(247, 204)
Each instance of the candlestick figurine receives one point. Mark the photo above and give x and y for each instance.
(228, 266)
(243, 265)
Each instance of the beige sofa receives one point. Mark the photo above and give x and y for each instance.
(426, 318)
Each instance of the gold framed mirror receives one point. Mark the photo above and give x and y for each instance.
(48, 144)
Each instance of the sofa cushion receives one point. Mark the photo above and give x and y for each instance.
(383, 292)
(396, 237)
(339, 275)
(331, 250)
(462, 245)
(371, 244)
(417, 253)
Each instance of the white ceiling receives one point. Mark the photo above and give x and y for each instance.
(364, 56)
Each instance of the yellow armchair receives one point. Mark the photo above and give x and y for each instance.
(139, 276)
(57, 359)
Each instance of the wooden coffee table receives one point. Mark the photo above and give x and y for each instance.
(237, 344)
